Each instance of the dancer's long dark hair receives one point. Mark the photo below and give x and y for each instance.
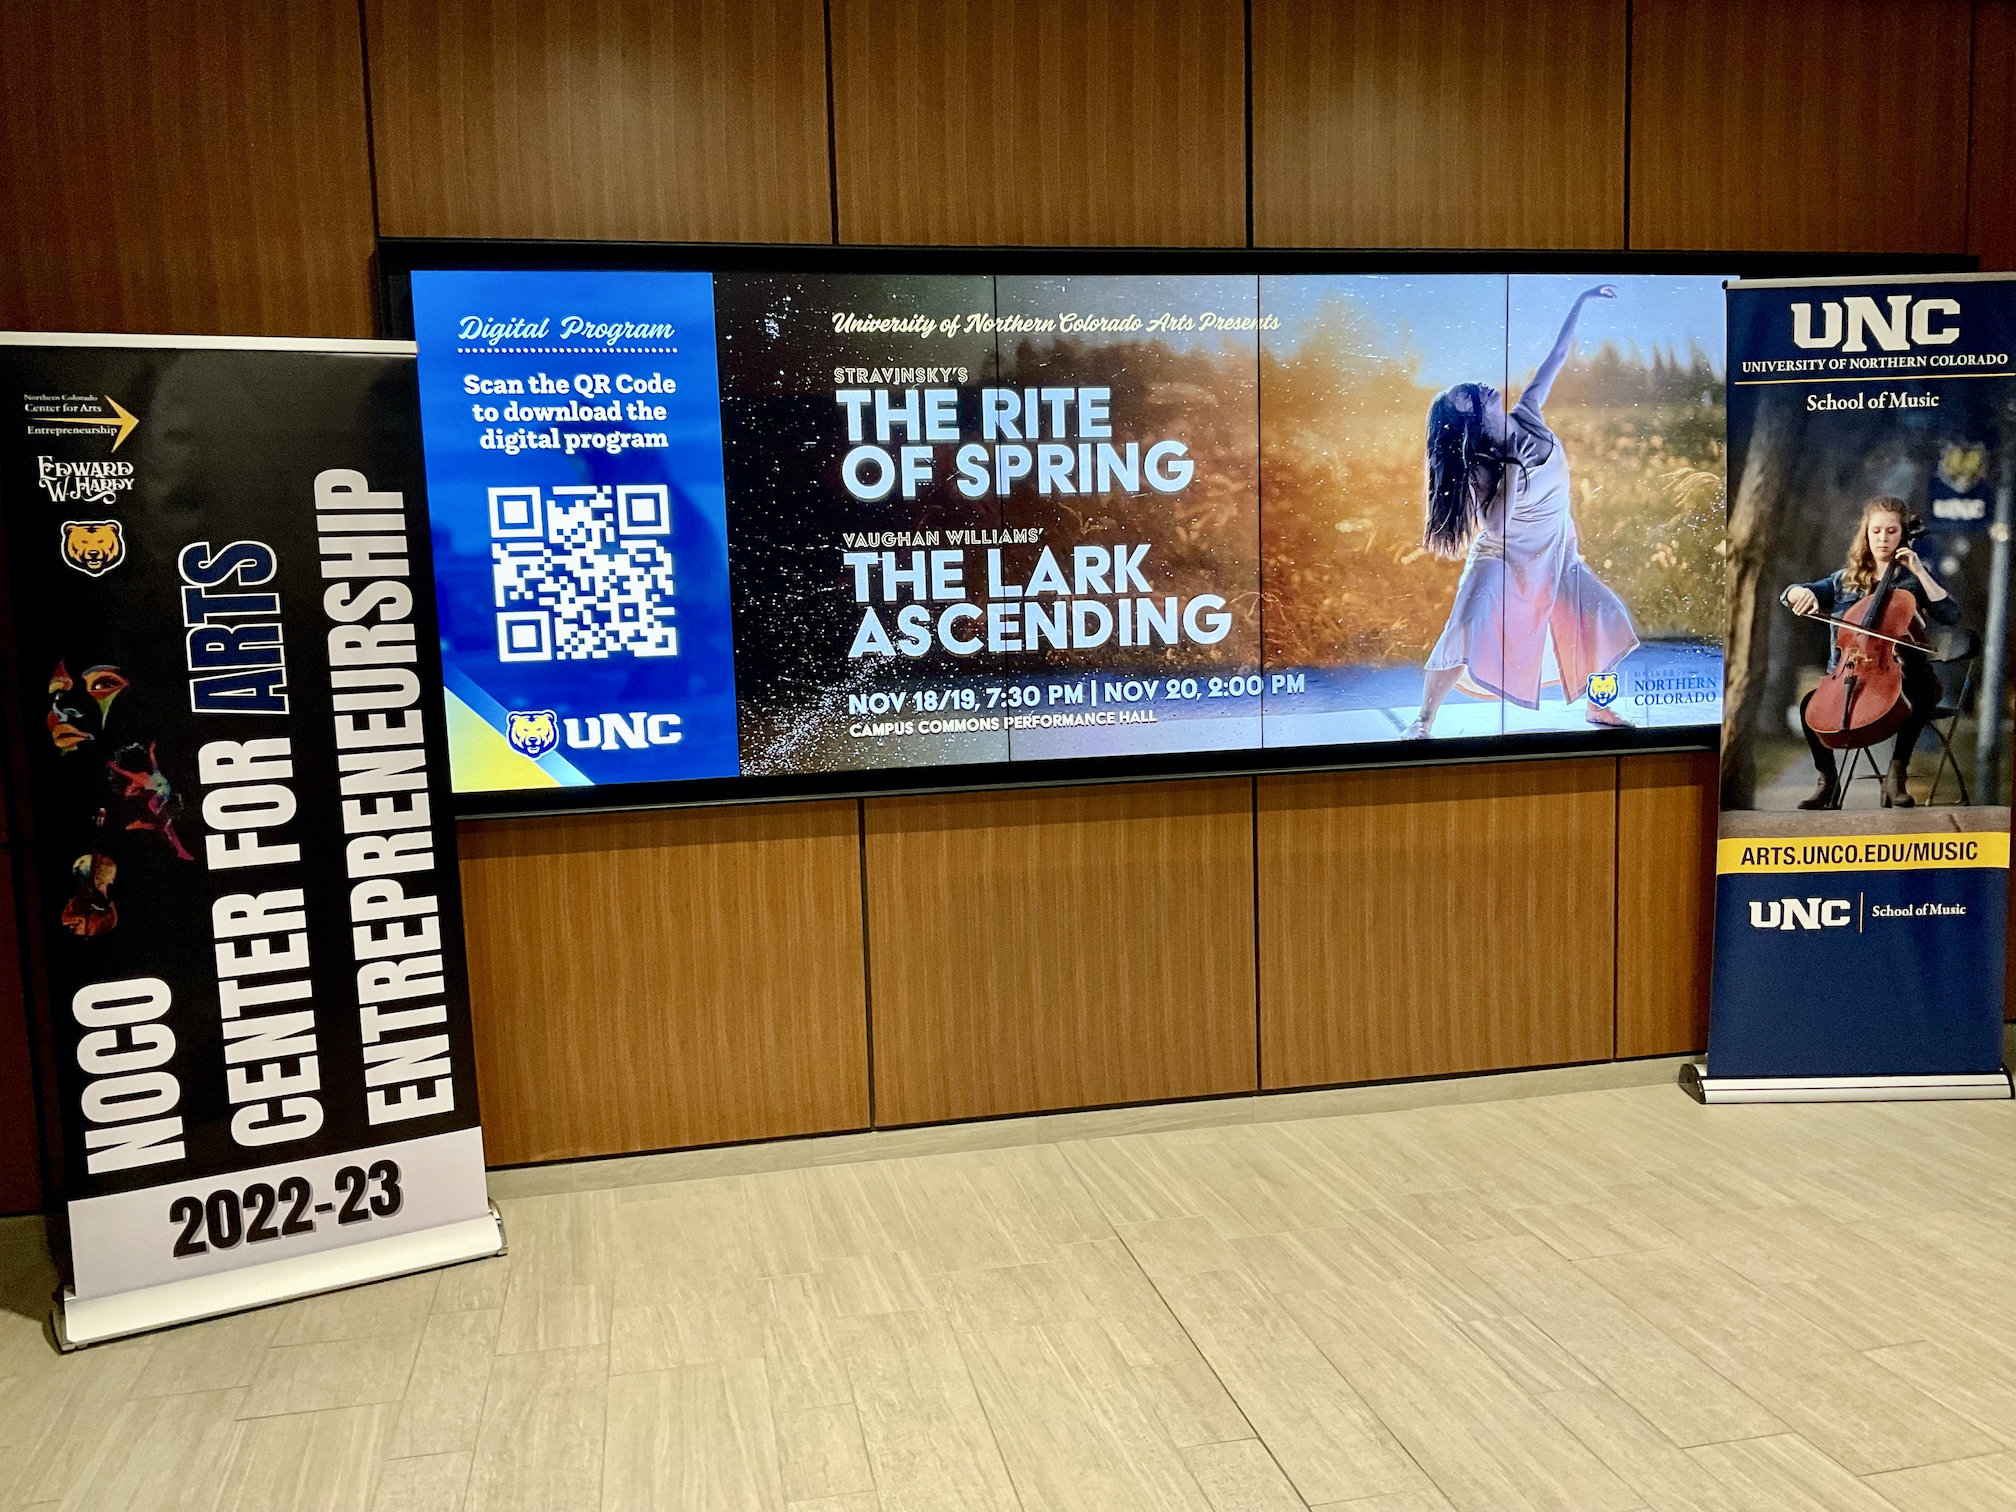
(1457, 446)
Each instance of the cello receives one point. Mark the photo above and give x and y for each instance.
(1861, 701)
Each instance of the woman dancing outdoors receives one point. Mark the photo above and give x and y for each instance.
(1498, 484)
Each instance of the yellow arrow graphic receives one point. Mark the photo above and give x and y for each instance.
(125, 421)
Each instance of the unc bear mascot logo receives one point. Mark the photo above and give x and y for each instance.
(1961, 466)
(1602, 689)
(532, 732)
(93, 546)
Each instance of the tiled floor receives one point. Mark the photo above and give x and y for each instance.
(1603, 1299)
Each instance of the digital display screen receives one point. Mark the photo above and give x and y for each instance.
(695, 527)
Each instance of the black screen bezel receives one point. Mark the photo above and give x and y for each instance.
(399, 257)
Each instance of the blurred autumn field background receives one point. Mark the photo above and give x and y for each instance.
(1345, 579)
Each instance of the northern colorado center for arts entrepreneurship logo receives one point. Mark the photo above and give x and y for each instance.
(79, 414)
(1602, 689)
(532, 732)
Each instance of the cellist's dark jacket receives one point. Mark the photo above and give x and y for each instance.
(1836, 598)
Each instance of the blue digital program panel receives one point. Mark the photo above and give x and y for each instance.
(573, 440)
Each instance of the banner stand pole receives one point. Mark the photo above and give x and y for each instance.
(1780, 1089)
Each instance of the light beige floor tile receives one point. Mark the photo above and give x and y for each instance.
(307, 1462)
(474, 1286)
(690, 1239)
(1455, 1217)
(730, 1325)
(853, 1501)
(1973, 1485)
(1844, 1404)
(1484, 1442)
(929, 1443)
(544, 1418)
(360, 1312)
(1318, 1428)
(442, 1410)
(820, 1453)
(54, 1416)
(955, 1229)
(1038, 1200)
(1784, 1473)
(1188, 1399)
(780, 1223)
(698, 1439)
(553, 1317)
(1580, 1230)
(1241, 1477)
(1676, 1392)
(1011, 1296)
(1427, 1500)
(216, 1355)
(566, 1240)
(316, 1377)
(851, 1286)
(1072, 1428)
(800, 1353)
(429, 1483)
(1523, 1351)
(1978, 1385)
(159, 1454)
(1639, 1454)
(856, 1210)
(1170, 1247)
(1129, 1183)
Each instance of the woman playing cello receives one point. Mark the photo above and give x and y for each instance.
(1878, 542)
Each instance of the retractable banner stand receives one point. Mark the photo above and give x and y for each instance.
(236, 857)
(1863, 855)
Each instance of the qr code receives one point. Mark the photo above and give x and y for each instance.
(582, 573)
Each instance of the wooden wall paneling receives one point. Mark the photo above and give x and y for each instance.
(1991, 165)
(1806, 125)
(680, 977)
(1045, 122)
(1666, 813)
(185, 165)
(1060, 948)
(657, 120)
(1382, 123)
(1431, 920)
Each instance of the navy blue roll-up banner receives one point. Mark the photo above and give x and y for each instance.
(1862, 860)
(235, 851)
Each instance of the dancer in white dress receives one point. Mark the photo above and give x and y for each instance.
(1498, 483)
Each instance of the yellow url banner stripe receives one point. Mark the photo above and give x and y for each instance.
(1837, 853)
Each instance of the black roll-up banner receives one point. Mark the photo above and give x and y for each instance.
(233, 842)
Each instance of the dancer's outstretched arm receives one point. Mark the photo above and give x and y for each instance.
(1550, 367)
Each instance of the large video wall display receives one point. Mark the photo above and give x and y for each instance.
(692, 526)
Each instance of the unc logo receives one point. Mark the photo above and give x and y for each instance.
(1907, 324)
(1961, 465)
(1602, 689)
(94, 547)
(1802, 913)
(532, 732)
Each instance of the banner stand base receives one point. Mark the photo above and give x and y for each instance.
(1758, 1089)
(81, 1321)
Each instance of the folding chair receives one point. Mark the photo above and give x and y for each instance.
(1961, 650)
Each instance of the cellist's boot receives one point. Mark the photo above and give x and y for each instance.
(1895, 793)
(1828, 794)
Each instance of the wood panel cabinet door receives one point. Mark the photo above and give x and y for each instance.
(1060, 948)
(1434, 920)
